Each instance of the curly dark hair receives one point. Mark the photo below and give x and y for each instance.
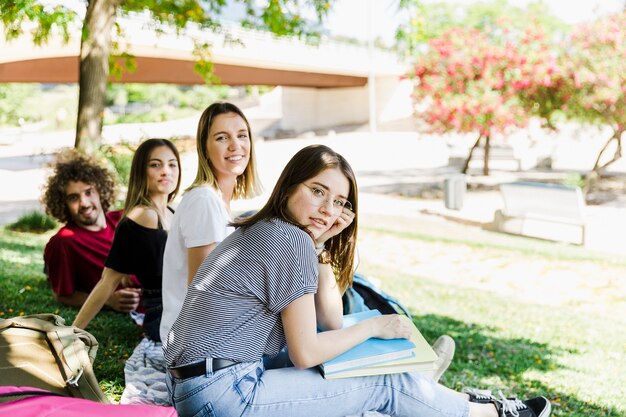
(74, 166)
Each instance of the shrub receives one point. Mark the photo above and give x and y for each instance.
(120, 157)
(574, 179)
(35, 222)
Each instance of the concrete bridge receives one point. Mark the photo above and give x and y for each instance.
(327, 84)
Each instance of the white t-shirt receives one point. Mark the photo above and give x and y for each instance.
(200, 219)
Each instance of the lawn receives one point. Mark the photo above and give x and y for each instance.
(527, 319)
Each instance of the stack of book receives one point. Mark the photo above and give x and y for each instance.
(380, 356)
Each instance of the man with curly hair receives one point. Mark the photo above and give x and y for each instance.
(79, 193)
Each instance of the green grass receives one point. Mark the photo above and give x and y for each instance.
(25, 290)
(574, 358)
(523, 245)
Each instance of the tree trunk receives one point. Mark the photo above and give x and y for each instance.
(617, 136)
(593, 176)
(471, 152)
(95, 49)
(486, 159)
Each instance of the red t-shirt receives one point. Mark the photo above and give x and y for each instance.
(74, 257)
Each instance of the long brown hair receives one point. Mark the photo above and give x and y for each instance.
(247, 183)
(138, 194)
(306, 164)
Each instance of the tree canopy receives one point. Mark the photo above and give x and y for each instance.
(99, 51)
(430, 20)
(486, 69)
(595, 64)
(472, 81)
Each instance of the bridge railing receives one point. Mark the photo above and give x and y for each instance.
(234, 44)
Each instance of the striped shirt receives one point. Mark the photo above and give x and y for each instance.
(232, 308)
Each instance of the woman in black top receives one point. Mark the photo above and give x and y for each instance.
(137, 249)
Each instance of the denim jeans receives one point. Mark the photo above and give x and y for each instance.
(247, 389)
(153, 304)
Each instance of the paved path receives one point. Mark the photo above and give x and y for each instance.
(386, 164)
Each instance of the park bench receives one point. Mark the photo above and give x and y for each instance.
(546, 211)
(505, 157)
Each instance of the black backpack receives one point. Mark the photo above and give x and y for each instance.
(364, 295)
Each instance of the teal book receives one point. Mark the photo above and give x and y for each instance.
(371, 352)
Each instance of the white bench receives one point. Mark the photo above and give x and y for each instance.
(505, 157)
(546, 211)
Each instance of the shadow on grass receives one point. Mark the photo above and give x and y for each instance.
(25, 290)
(31, 248)
(117, 336)
(479, 352)
(481, 360)
(567, 405)
(23, 242)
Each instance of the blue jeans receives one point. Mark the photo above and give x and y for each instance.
(247, 389)
(153, 304)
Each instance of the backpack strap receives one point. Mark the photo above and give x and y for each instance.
(364, 295)
(31, 393)
(61, 339)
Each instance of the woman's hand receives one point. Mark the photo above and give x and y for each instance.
(127, 282)
(344, 220)
(391, 326)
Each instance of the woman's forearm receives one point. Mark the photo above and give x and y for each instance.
(98, 297)
(306, 346)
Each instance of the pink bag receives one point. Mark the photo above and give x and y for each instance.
(35, 402)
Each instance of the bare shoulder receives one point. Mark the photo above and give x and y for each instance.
(145, 216)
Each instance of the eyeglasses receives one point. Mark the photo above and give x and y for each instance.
(319, 197)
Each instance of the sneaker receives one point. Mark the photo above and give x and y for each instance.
(534, 407)
(444, 348)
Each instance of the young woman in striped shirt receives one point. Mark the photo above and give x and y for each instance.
(275, 282)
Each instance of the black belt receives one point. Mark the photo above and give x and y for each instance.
(199, 368)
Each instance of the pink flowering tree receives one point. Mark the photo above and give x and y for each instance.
(488, 82)
(596, 67)
(542, 85)
(466, 83)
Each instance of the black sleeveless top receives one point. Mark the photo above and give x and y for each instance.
(138, 250)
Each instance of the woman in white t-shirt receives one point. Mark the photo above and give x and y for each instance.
(226, 171)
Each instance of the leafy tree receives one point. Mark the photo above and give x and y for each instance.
(99, 52)
(430, 20)
(595, 64)
(543, 87)
(12, 98)
(426, 21)
(468, 83)
(485, 68)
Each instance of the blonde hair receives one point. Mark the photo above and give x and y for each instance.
(247, 185)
